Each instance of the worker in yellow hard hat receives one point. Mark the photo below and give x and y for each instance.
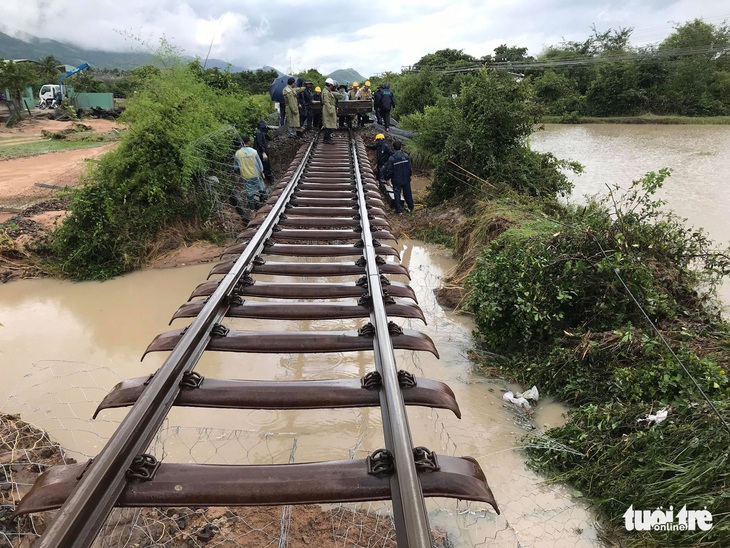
(353, 92)
(352, 96)
(317, 107)
(382, 153)
(363, 94)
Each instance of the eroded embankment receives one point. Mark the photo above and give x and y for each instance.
(605, 307)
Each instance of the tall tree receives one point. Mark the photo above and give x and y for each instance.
(503, 54)
(416, 91)
(697, 80)
(558, 93)
(446, 58)
(16, 77)
(255, 82)
(49, 68)
(314, 76)
(213, 77)
(615, 90)
(695, 34)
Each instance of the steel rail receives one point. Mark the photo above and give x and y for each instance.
(409, 508)
(82, 516)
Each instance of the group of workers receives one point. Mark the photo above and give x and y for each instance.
(298, 114)
(297, 110)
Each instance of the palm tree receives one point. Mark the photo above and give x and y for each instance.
(49, 68)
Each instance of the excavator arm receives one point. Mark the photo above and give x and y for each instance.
(72, 72)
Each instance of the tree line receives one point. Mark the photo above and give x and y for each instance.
(687, 74)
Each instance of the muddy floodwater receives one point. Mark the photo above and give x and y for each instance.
(63, 345)
(616, 154)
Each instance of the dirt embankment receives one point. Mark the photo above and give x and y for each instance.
(30, 179)
(29, 210)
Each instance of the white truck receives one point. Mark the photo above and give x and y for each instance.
(47, 96)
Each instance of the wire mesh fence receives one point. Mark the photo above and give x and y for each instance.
(59, 398)
(534, 513)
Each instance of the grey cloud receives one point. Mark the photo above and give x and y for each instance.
(276, 29)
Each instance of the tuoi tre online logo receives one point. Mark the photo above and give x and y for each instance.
(665, 520)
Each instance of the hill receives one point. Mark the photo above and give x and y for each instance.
(348, 75)
(37, 48)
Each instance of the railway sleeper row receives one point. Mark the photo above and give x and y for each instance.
(318, 216)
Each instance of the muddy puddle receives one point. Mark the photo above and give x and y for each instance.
(63, 345)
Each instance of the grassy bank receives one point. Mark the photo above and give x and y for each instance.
(554, 293)
(643, 119)
(35, 148)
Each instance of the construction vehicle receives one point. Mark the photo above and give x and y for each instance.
(50, 93)
(71, 72)
(47, 95)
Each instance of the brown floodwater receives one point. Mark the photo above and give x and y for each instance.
(63, 345)
(616, 154)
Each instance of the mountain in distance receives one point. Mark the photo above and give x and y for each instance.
(32, 47)
(267, 67)
(36, 48)
(348, 75)
(220, 64)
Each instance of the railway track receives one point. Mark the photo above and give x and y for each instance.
(327, 218)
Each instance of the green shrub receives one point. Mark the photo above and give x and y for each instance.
(546, 295)
(152, 179)
(542, 278)
(620, 460)
(478, 141)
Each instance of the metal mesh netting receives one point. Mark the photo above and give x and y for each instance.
(59, 397)
(533, 513)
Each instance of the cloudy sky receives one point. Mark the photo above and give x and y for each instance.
(371, 36)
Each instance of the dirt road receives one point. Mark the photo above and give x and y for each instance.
(33, 179)
(26, 180)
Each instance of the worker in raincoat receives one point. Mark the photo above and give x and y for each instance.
(292, 106)
(317, 113)
(248, 165)
(329, 110)
(364, 94)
